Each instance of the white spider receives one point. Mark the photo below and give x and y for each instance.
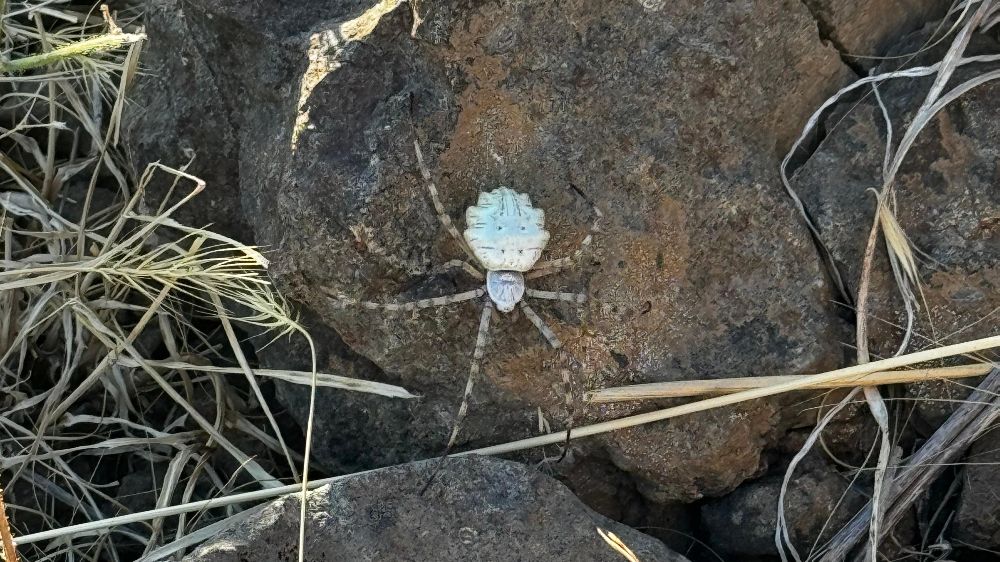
(505, 235)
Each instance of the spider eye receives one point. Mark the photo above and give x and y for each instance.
(499, 228)
(523, 228)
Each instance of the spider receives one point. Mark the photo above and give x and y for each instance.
(505, 236)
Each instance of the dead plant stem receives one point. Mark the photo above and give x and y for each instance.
(972, 417)
(6, 538)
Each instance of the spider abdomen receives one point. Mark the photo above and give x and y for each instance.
(505, 288)
(504, 231)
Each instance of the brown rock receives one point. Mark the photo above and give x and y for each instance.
(866, 27)
(683, 276)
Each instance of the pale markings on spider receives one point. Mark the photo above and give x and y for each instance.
(505, 235)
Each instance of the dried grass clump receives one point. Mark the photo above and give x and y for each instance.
(969, 17)
(120, 328)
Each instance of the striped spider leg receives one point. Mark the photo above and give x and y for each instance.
(484, 320)
(548, 267)
(459, 264)
(478, 351)
(477, 357)
(564, 357)
(442, 216)
(443, 300)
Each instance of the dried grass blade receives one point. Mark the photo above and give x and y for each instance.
(296, 377)
(846, 373)
(234, 346)
(683, 389)
(84, 47)
(262, 476)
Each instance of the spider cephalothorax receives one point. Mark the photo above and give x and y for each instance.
(505, 235)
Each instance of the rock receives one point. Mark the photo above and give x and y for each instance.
(977, 521)
(183, 114)
(499, 95)
(481, 507)
(670, 117)
(188, 108)
(608, 490)
(348, 423)
(742, 524)
(866, 27)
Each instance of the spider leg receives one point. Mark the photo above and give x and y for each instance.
(413, 305)
(477, 357)
(438, 207)
(547, 267)
(466, 267)
(578, 298)
(536, 272)
(550, 336)
(564, 357)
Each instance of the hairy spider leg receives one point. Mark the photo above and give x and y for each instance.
(417, 304)
(438, 207)
(578, 298)
(556, 344)
(549, 267)
(464, 265)
(477, 357)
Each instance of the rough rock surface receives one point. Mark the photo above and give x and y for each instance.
(977, 521)
(476, 508)
(670, 121)
(178, 124)
(866, 27)
(669, 116)
(608, 490)
(742, 524)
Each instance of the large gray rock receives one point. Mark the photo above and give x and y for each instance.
(475, 509)
(670, 116)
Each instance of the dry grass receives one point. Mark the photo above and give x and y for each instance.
(969, 17)
(687, 389)
(797, 383)
(7, 551)
(618, 545)
(121, 330)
